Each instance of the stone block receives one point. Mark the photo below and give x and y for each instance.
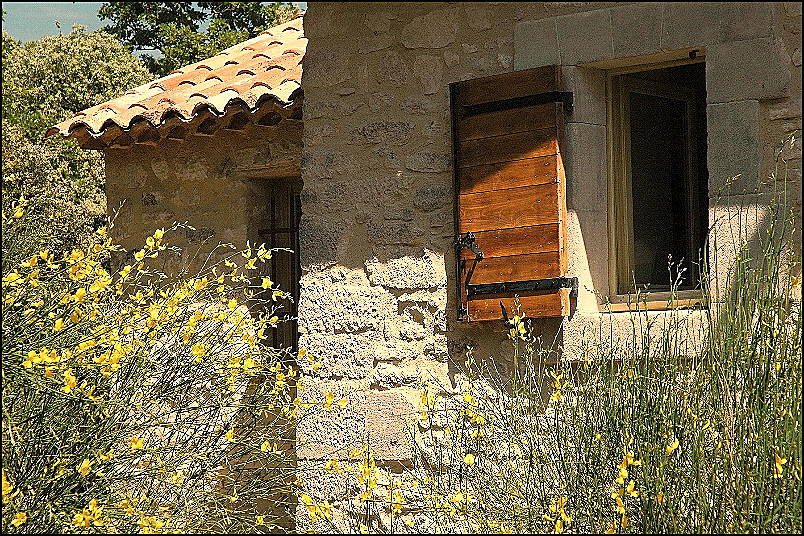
(395, 233)
(746, 20)
(427, 271)
(636, 29)
(436, 29)
(345, 355)
(428, 162)
(751, 69)
(588, 248)
(690, 24)
(379, 418)
(318, 242)
(733, 147)
(737, 224)
(342, 308)
(585, 37)
(430, 198)
(624, 334)
(535, 44)
(589, 94)
(585, 161)
(382, 132)
(389, 375)
(429, 70)
(324, 484)
(437, 348)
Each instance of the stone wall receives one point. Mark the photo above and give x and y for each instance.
(378, 290)
(202, 181)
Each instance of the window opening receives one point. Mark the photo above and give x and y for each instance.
(660, 178)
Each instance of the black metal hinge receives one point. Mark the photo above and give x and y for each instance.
(467, 241)
(553, 283)
(564, 97)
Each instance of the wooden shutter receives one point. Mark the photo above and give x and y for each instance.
(510, 194)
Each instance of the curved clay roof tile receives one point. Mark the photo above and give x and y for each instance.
(246, 74)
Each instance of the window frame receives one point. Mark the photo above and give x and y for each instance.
(292, 186)
(620, 220)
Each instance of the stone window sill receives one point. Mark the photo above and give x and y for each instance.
(657, 301)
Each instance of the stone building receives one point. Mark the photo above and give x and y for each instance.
(650, 122)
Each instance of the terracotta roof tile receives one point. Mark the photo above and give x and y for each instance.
(268, 66)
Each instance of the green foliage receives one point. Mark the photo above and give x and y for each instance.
(44, 82)
(174, 29)
(50, 79)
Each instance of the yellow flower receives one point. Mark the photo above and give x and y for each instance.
(469, 459)
(333, 465)
(630, 490)
(69, 381)
(660, 497)
(58, 325)
(620, 505)
(328, 400)
(106, 457)
(7, 489)
(671, 447)
(199, 350)
(19, 519)
(232, 303)
(150, 525)
(266, 283)
(260, 520)
(777, 466)
(230, 435)
(136, 443)
(622, 476)
(139, 255)
(177, 478)
(84, 468)
(325, 508)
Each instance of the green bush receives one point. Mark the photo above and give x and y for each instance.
(134, 401)
(44, 82)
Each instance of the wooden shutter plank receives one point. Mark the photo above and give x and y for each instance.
(504, 122)
(514, 268)
(509, 85)
(517, 146)
(502, 209)
(531, 171)
(510, 189)
(537, 304)
(516, 241)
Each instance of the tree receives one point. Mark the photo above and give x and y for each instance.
(44, 82)
(185, 32)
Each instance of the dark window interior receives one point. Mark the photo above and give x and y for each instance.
(283, 211)
(668, 176)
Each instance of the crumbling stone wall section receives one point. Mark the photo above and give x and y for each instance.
(377, 230)
(202, 181)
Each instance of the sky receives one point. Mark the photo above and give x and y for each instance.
(26, 21)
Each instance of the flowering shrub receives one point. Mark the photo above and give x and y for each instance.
(134, 401)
